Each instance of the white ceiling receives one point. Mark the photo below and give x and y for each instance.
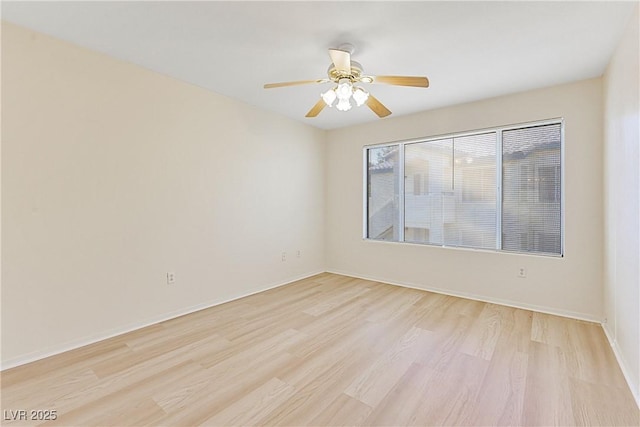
(469, 50)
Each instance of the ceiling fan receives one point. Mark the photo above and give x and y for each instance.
(346, 74)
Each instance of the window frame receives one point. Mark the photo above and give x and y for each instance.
(401, 144)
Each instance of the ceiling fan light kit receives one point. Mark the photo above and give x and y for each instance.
(344, 92)
(344, 73)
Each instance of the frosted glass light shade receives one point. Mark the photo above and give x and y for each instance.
(360, 96)
(344, 89)
(329, 97)
(343, 105)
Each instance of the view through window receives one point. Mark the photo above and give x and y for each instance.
(495, 189)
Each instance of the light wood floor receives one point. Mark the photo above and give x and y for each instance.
(333, 350)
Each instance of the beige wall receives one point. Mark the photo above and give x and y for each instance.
(622, 203)
(113, 175)
(570, 285)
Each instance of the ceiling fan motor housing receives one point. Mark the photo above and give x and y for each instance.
(355, 75)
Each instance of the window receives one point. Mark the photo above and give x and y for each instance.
(533, 209)
(460, 208)
(382, 198)
(498, 189)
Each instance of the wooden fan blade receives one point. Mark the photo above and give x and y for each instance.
(341, 60)
(315, 110)
(402, 80)
(299, 82)
(377, 107)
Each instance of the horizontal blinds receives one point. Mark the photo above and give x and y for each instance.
(431, 163)
(531, 207)
(450, 196)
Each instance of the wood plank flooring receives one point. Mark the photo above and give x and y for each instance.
(333, 350)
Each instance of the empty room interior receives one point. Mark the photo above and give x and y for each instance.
(320, 213)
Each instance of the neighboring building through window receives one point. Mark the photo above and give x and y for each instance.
(382, 198)
(498, 189)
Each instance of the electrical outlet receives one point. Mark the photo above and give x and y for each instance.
(171, 278)
(298, 253)
(522, 272)
(284, 256)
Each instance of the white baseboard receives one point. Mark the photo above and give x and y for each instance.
(623, 365)
(539, 309)
(72, 345)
